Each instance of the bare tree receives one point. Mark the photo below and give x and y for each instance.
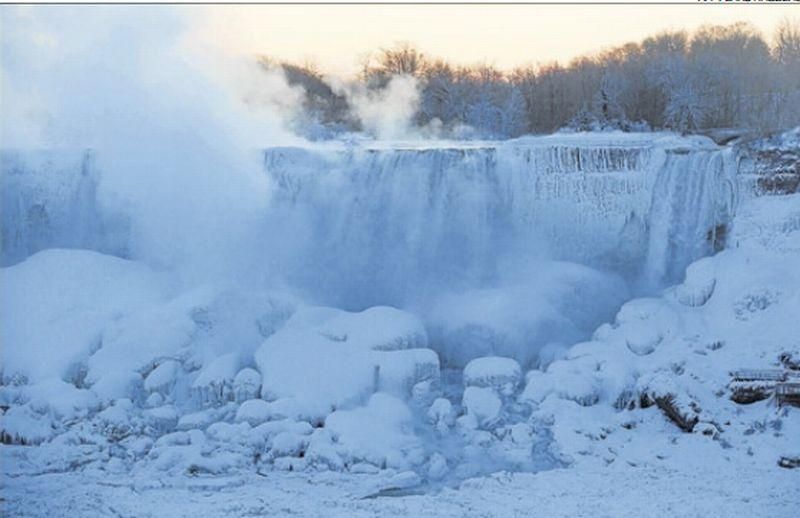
(717, 76)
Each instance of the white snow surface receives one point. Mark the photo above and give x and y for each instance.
(703, 492)
(57, 303)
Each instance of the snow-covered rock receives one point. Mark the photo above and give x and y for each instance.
(400, 371)
(214, 384)
(642, 325)
(497, 373)
(246, 384)
(60, 301)
(380, 433)
(699, 284)
(162, 378)
(441, 415)
(153, 400)
(254, 411)
(325, 358)
(378, 328)
(24, 425)
(205, 417)
(482, 404)
(161, 419)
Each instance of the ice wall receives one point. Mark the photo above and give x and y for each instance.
(49, 200)
(375, 223)
(390, 218)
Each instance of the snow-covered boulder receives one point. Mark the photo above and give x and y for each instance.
(205, 417)
(162, 378)
(193, 329)
(437, 466)
(325, 358)
(495, 372)
(161, 419)
(214, 384)
(641, 326)
(254, 411)
(568, 379)
(400, 371)
(140, 342)
(699, 284)
(380, 433)
(24, 425)
(483, 406)
(378, 328)
(288, 444)
(228, 432)
(246, 384)
(59, 302)
(119, 420)
(549, 353)
(441, 415)
(322, 451)
(261, 436)
(315, 371)
(62, 400)
(153, 400)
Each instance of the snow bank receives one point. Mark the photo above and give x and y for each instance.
(57, 303)
(380, 433)
(666, 363)
(325, 359)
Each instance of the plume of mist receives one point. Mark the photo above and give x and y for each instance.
(177, 149)
(388, 112)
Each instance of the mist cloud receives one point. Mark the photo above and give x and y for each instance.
(177, 146)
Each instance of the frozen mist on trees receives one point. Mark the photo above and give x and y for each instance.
(399, 301)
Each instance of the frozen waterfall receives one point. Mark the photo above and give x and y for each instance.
(458, 215)
(49, 200)
(371, 220)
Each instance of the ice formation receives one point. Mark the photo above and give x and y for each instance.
(439, 314)
(460, 215)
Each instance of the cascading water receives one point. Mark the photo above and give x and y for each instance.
(388, 220)
(386, 224)
(693, 200)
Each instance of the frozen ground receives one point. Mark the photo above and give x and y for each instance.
(719, 491)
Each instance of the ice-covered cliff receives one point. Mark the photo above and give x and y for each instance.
(371, 219)
(49, 199)
(455, 214)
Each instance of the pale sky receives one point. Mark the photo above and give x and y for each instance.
(505, 35)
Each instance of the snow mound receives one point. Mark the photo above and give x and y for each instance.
(673, 364)
(500, 374)
(348, 356)
(60, 301)
(483, 407)
(380, 433)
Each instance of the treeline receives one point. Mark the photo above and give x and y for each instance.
(718, 76)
